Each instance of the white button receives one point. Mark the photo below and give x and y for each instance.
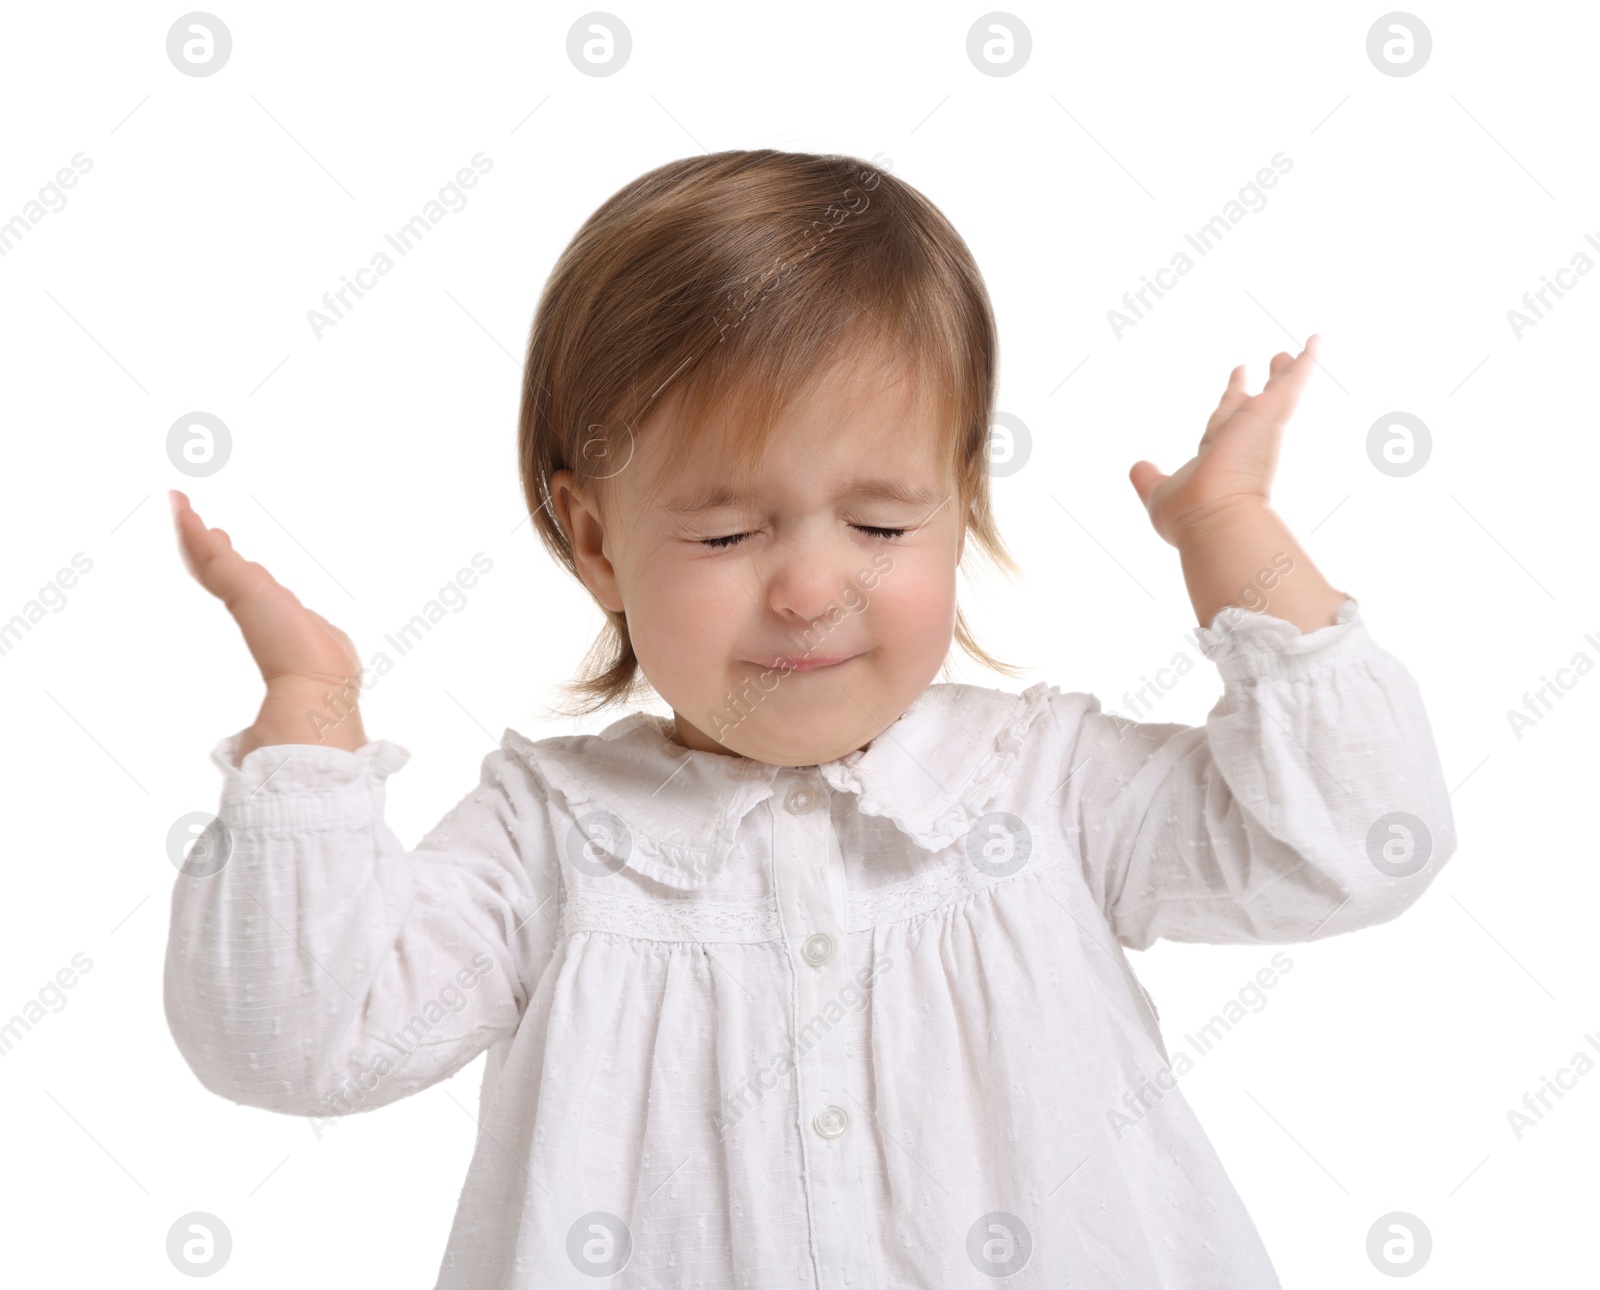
(818, 949)
(801, 800)
(831, 1121)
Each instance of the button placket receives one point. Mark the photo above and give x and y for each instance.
(808, 872)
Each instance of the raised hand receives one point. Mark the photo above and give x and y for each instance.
(1237, 455)
(302, 656)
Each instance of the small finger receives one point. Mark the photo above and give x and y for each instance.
(1232, 397)
(1286, 384)
(1144, 476)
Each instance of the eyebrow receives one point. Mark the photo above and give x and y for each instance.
(889, 490)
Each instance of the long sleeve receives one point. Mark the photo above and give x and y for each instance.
(315, 967)
(1311, 802)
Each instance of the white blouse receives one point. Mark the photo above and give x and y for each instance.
(861, 1024)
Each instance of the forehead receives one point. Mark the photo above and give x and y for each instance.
(867, 427)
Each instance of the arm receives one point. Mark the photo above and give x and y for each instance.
(322, 968)
(314, 965)
(1310, 803)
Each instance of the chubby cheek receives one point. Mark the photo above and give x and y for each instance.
(681, 620)
(912, 607)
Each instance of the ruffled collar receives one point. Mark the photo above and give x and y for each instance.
(929, 773)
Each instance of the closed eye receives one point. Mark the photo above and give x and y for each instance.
(733, 539)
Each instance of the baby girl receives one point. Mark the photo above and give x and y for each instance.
(820, 979)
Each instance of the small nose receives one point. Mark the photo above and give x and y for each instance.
(803, 573)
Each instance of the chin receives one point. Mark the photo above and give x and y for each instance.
(831, 732)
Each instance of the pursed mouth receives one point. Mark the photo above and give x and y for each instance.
(809, 664)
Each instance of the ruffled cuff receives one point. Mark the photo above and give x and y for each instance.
(304, 785)
(1250, 646)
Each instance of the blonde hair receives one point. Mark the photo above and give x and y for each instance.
(736, 279)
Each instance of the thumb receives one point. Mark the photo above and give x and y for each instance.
(1145, 476)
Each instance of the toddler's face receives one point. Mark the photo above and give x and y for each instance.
(719, 598)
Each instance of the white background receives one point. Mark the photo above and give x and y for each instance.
(369, 465)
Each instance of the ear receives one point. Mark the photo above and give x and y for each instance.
(579, 517)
